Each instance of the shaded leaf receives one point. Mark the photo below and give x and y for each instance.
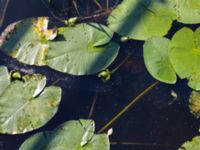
(157, 59)
(82, 49)
(142, 19)
(25, 104)
(71, 135)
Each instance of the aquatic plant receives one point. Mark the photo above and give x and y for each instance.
(71, 135)
(194, 144)
(25, 103)
(164, 58)
(89, 48)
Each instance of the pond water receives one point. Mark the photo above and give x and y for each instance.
(155, 122)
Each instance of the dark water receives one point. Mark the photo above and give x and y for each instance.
(155, 122)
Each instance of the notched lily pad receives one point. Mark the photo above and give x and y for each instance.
(83, 49)
(26, 40)
(194, 144)
(142, 19)
(157, 60)
(194, 103)
(185, 55)
(25, 104)
(71, 135)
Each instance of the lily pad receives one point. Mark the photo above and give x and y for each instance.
(142, 19)
(191, 145)
(25, 104)
(157, 59)
(83, 49)
(188, 11)
(194, 103)
(185, 55)
(71, 135)
(26, 40)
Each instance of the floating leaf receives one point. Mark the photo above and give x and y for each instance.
(185, 55)
(188, 11)
(82, 49)
(194, 103)
(157, 59)
(27, 41)
(71, 135)
(142, 19)
(4, 79)
(191, 145)
(25, 104)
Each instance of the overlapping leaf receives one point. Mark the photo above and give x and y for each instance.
(72, 135)
(25, 104)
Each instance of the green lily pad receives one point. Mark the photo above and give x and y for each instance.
(25, 104)
(71, 135)
(157, 60)
(191, 145)
(142, 19)
(83, 49)
(188, 11)
(26, 40)
(194, 103)
(185, 55)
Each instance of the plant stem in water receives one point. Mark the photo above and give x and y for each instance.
(3, 8)
(128, 107)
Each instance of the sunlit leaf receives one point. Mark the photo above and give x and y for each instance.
(25, 104)
(185, 55)
(27, 41)
(194, 144)
(188, 11)
(142, 19)
(71, 135)
(157, 59)
(83, 49)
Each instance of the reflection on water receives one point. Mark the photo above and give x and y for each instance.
(156, 119)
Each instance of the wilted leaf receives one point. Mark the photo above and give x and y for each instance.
(194, 103)
(25, 104)
(27, 41)
(72, 135)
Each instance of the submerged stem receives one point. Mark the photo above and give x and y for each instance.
(143, 144)
(122, 63)
(3, 9)
(128, 107)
